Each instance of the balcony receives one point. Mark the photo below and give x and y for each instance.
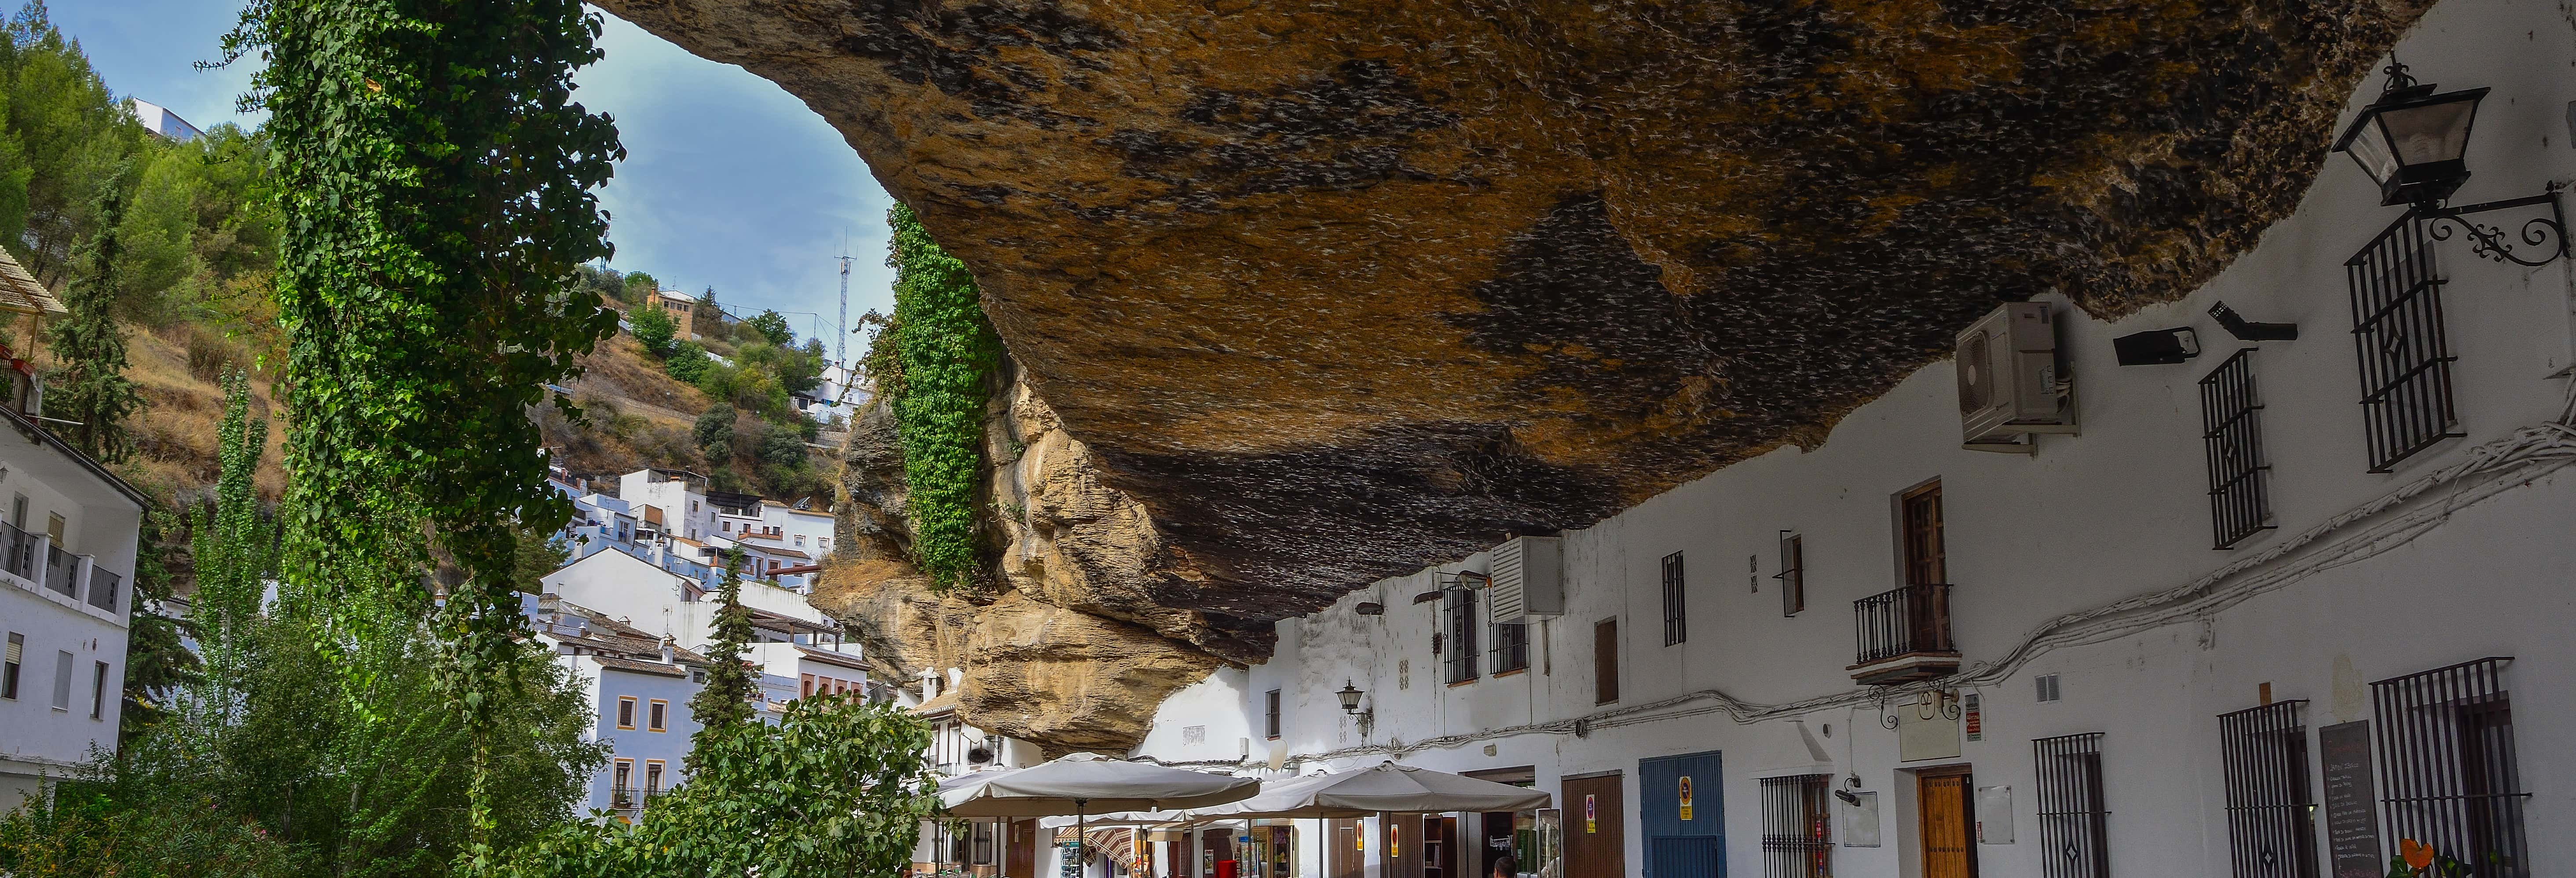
(631, 798)
(37, 561)
(1904, 635)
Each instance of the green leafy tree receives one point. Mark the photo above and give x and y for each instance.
(653, 329)
(688, 362)
(949, 353)
(442, 183)
(782, 447)
(158, 663)
(77, 144)
(714, 431)
(836, 787)
(234, 550)
(91, 389)
(725, 701)
(772, 326)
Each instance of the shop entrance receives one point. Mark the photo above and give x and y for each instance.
(1946, 820)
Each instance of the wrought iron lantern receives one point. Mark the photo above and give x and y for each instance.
(2412, 141)
(1350, 696)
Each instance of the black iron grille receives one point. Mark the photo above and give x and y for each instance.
(1797, 837)
(2239, 506)
(1903, 621)
(2074, 826)
(2447, 757)
(1461, 608)
(2405, 358)
(2271, 816)
(1676, 618)
(1511, 647)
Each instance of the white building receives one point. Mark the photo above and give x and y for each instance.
(66, 557)
(635, 592)
(639, 687)
(1893, 656)
(667, 501)
(159, 120)
(986, 847)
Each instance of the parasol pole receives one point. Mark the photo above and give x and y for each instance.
(1080, 866)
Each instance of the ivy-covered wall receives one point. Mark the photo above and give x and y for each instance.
(947, 352)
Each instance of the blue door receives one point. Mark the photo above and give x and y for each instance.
(1684, 818)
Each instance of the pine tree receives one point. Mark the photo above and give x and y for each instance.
(90, 389)
(726, 700)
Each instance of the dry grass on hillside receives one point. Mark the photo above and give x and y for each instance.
(637, 415)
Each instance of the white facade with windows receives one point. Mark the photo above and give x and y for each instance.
(66, 558)
(2090, 636)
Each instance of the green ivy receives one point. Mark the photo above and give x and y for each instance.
(438, 182)
(948, 353)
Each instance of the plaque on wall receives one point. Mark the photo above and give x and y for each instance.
(2352, 817)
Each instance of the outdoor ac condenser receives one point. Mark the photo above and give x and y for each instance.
(1529, 579)
(2010, 384)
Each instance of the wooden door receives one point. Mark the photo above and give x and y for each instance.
(1216, 846)
(1020, 850)
(1345, 849)
(1596, 843)
(1927, 611)
(1947, 818)
(1402, 851)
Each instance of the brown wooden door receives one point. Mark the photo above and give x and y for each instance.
(1596, 844)
(1020, 849)
(1926, 562)
(1404, 855)
(1216, 846)
(1947, 816)
(1345, 854)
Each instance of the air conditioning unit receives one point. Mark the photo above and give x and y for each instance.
(1528, 579)
(2010, 383)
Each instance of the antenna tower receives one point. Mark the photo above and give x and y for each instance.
(841, 339)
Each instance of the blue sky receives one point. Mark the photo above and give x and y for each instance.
(729, 181)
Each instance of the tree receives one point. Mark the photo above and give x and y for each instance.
(653, 328)
(773, 326)
(234, 551)
(725, 701)
(782, 447)
(714, 431)
(91, 389)
(158, 662)
(836, 787)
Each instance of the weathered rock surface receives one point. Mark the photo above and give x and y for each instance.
(1336, 288)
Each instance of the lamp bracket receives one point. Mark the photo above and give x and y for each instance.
(2546, 234)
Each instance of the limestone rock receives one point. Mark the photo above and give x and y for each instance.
(1340, 287)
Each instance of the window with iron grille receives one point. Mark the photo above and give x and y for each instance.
(2239, 506)
(1270, 713)
(1511, 647)
(2271, 814)
(1793, 573)
(2446, 757)
(2074, 824)
(2397, 330)
(1797, 836)
(1462, 625)
(1676, 621)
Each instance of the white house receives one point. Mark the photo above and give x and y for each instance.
(2276, 607)
(159, 120)
(667, 501)
(639, 687)
(66, 557)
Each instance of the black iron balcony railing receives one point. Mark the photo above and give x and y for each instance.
(632, 798)
(61, 570)
(1913, 619)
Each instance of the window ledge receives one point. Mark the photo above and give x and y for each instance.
(1457, 683)
(1510, 673)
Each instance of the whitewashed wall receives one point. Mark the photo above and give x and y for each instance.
(2116, 512)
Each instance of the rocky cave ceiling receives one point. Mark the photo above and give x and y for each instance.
(1341, 288)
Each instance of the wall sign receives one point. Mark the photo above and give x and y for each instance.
(1590, 822)
(1686, 797)
(2352, 819)
(1975, 705)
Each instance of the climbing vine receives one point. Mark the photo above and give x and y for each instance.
(948, 353)
(438, 181)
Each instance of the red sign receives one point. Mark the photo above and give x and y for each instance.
(1589, 823)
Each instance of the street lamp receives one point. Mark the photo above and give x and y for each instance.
(1350, 696)
(2412, 141)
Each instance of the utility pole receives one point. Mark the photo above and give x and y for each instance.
(841, 339)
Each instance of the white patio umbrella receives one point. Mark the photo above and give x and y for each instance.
(1082, 781)
(1385, 788)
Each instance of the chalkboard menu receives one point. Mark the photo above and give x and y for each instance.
(2352, 818)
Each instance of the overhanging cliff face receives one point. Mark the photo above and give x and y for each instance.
(1339, 288)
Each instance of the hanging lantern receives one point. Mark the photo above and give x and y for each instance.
(2411, 141)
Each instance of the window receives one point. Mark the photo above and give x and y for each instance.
(2233, 437)
(1676, 621)
(725, 526)
(2271, 821)
(1924, 559)
(54, 527)
(2073, 824)
(98, 691)
(2397, 328)
(1605, 661)
(1797, 841)
(822, 542)
(1462, 624)
(804, 685)
(17, 656)
(800, 539)
(1793, 573)
(62, 681)
(625, 712)
(652, 776)
(622, 788)
(655, 714)
(1270, 713)
(1511, 647)
(2047, 688)
(2448, 765)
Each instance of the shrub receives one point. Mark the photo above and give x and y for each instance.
(653, 329)
(687, 362)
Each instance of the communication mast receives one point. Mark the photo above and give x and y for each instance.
(841, 340)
